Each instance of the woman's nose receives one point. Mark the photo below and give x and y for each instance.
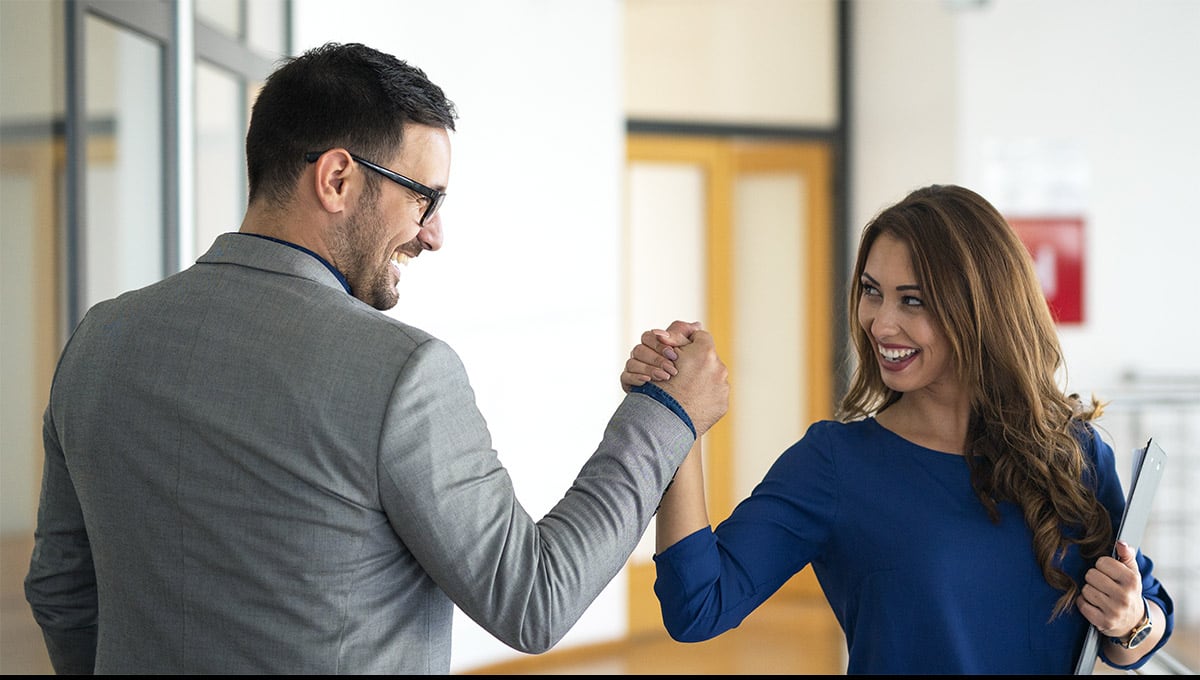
(884, 323)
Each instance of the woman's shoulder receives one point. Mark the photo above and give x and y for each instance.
(832, 447)
(863, 427)
(831, 435)
(1096, 451)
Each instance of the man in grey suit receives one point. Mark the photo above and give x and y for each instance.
(251, 469)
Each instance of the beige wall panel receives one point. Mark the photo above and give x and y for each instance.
(31, 87)
(770, 301)
(757, 62)
(20, 415)
(665, 246)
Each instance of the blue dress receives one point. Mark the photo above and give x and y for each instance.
(918, 576)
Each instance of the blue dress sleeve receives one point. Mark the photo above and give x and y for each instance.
(710, 581)
(1110, 493)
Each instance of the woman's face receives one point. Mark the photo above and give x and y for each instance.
(913, 354)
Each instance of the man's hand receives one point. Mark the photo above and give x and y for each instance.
(683, 361)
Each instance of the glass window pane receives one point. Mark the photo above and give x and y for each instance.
(266, 26)
(220, 168)
(123, 244)
(223, 15)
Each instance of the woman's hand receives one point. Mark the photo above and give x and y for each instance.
(1111, 597)
(654, 358)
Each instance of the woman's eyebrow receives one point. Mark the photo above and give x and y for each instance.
(907, 286)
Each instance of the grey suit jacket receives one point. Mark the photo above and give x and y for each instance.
(248, 470)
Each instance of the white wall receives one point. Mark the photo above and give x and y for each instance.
(1118, 84)
(527, 284)
(1108, 92)
(904, 114)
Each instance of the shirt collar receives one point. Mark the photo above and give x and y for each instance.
(337, 274)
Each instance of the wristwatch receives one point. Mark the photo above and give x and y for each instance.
(1139, 633)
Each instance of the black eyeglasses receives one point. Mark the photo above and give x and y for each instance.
(435, 197)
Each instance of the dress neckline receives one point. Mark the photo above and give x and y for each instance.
(874, 421)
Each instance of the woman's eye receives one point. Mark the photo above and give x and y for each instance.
(911, 301)
(868, 289)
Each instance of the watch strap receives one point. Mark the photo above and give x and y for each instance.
(1139, 632)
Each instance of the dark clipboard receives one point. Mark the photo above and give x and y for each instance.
(1148, 464)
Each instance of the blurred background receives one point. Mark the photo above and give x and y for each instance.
(620, 164)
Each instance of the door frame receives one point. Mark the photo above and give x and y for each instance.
(724, 161)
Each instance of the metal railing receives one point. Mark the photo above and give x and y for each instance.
(1166, 408)
(1163, 663)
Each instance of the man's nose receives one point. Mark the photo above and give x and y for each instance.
(430, 235)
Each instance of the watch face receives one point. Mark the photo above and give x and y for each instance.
(1138, 637)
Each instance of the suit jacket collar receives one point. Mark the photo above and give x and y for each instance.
(272, 255)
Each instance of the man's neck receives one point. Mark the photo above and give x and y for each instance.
(286, 225)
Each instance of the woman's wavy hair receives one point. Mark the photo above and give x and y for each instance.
(1022, 446)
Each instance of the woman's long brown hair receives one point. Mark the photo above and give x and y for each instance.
(1022, 445)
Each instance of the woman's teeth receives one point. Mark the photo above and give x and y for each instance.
(896, 355)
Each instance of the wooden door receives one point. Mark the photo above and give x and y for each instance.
(737, 235)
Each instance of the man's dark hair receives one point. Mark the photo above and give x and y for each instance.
(337, 95)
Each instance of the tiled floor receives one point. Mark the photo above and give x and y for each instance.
(782, 637)
(788, 637)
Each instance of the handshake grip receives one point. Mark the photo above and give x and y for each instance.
(701, 381)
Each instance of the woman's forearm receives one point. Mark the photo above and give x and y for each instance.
(683, 510)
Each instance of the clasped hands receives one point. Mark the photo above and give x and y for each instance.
(682, 360)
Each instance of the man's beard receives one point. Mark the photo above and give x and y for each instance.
(368, 272)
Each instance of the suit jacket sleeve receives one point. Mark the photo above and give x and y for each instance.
(452, 503)
(61, 583)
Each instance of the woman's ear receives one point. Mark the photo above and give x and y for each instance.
(331, 171)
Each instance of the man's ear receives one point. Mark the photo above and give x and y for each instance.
(331, 171)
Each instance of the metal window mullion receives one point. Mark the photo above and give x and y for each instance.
(842, 185)
(153, 19)
(228, 53)
(75, 170)
(184, 168)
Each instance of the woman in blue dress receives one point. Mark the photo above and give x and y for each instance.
(960, 514)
